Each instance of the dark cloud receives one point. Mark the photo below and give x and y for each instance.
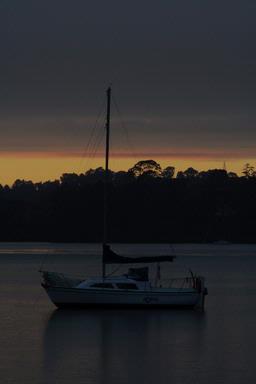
(186, 66)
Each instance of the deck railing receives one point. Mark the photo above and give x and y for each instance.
(179, 283)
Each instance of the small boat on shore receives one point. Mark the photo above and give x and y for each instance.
(133, 289)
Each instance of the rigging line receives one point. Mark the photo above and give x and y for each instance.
(123, 125)
(92, 151)
(96, 145)
(89, 143)
(92, 132)
(114, 271)
(148, 192)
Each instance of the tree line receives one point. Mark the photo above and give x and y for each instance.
(146, 204)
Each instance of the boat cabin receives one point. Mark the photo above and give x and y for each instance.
(136, 278)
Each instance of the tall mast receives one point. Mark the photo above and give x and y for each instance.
(106, 182)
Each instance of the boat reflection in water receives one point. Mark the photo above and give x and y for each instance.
(122, 346)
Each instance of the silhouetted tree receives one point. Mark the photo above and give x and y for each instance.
(249, 171)
(24, 184)
(205, 206)
(23, 187)
(232, 175)
(122, 177)
(188, 173)
(180, 175)
(146, 167)
(168, 172)
(216, 174)
(69, 179)
(98, 174)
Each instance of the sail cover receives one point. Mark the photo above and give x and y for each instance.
(110, 257)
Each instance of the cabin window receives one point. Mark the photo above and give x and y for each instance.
(126, 286)
(102, 285)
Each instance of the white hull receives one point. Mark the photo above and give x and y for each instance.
(75, 297)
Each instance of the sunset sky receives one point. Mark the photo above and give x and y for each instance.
(183, 75)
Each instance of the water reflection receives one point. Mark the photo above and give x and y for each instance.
(122, 346)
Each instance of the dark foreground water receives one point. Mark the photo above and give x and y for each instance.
(39, 344)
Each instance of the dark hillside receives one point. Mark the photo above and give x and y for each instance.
(149, 207)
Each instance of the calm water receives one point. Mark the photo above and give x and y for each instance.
(42, 345)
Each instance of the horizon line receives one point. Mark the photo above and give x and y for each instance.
(207, 156)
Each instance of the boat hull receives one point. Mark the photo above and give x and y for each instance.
(75, 297)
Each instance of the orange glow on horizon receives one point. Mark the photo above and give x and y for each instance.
(45, 167)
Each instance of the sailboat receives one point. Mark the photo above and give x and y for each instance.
(133, 289)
